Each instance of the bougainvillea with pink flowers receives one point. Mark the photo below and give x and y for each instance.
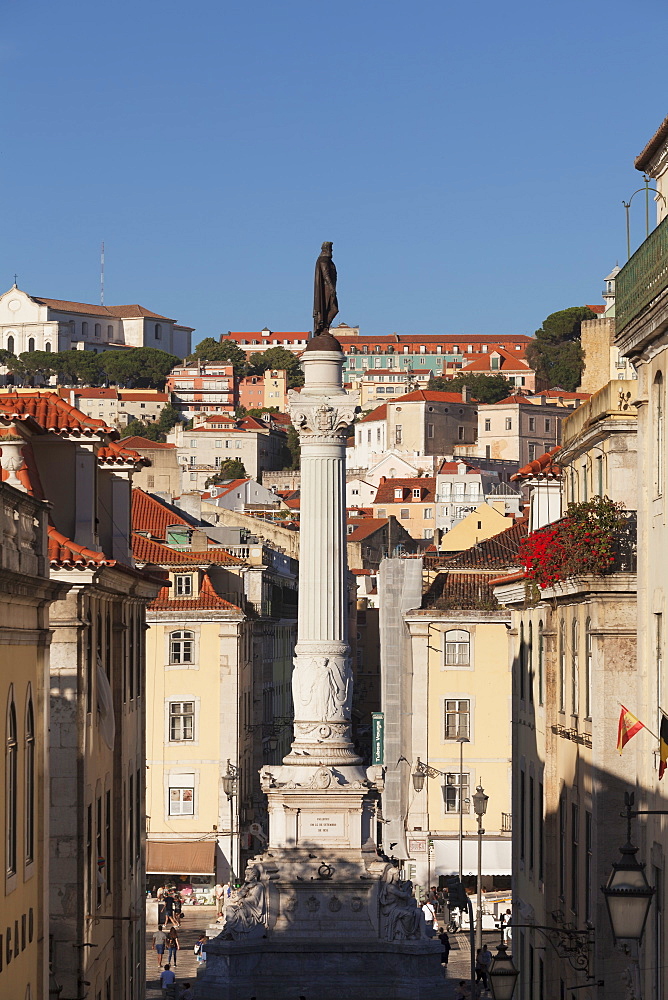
(582, 542)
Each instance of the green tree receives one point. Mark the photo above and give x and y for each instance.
(79, 367)
(139, 368)
(137, 428)
(231, 468)
(293, 456)
(556, 354)
(37, 365)
(169, 417)
(484, 388)
(281, 359)
(224, 352)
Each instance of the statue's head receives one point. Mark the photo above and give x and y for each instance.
(327, 247)
(252, 873)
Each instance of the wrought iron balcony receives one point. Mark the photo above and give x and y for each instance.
(642, 278)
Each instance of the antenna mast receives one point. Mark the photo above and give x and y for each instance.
(102, 274)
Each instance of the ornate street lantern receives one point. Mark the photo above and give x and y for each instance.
(628, 896)
(502, 975)
(480, 801)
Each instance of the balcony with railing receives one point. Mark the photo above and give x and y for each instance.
(643, 278)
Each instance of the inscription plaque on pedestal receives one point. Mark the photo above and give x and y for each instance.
(322, 826)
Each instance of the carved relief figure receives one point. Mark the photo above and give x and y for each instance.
(246, 912)
(322, 689)
(400, 917)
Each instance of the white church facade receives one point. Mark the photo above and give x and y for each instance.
(29, 323)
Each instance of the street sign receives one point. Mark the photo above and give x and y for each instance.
(378, 739)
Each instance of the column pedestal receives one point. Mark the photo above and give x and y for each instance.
(321, 915)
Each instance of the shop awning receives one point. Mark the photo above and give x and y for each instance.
(496, 856)
(180, 857)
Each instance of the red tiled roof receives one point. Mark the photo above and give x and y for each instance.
(562, 394)
(48, 412)
(145, 444)
(513, 400)
(147, 550)
(386, 488)
(380, 413)
(596, 309)
(543, 466)
(498, 552)
(450, 468)
(453, 591)
(507, 361)
(150, 515)
(116, 454)
(430, 396)
(643, 159)
(207, 600)
(510, 578)
(64, 552)
(120, 312)
(364, 527)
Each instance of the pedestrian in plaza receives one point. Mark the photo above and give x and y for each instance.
(159, 939)
(178, 909)
(167, 981)
(480, 973)
(200, 949)
(168, 901)
(445, 945)
(172, 947)
(219, 894)
(485, 957)
(429, 912)
(507, 930)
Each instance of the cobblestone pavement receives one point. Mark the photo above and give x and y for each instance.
(195, 921)
(459, 964)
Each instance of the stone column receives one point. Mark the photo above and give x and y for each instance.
(322, 677)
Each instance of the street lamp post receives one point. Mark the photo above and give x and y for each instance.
(461, 740)
(502, 975)
(230, 787)
(480, 805)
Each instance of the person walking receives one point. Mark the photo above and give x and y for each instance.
(429, 912)
(159, 939)
(167, 982)
(485, 957)
(168, 902)
(172, 947)
(507, 930)
(219, 893)
(200, 949)
(445, 945)
(480, 975)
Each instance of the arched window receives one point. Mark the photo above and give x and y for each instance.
(457, 648)
(98, 329)
(659, 433)
(589, 669)
(562, 666)
(84, 329)
(30, 780)
(31, 344)
(182, 647)
(47, 347)
(540, 663)
(575, 668)
(158, 331)
(10, 344)
(11, 790)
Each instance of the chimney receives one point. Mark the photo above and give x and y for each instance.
(465, 394)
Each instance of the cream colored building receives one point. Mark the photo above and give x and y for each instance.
(97, 695)
(117, 407)
(259, 443)
(25, 595)
(517, 430)
(445, 674)
(32, 323)
(411, 501)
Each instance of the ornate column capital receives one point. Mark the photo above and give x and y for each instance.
(323, 417)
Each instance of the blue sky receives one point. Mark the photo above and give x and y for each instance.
(468, 160)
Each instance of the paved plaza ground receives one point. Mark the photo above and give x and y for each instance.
(196, 919)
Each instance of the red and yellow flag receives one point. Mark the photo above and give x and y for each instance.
(628, 727)
(663, 745)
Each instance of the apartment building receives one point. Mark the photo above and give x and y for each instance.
(517, 430)
(117, 407)
(96, 746)
(260, 443)
(200, 389)
(411, 501)
(258, 391)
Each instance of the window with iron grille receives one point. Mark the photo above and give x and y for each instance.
(181, 721)
(451, 792)
(457, 649)
(457, 717)
(182, 647)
